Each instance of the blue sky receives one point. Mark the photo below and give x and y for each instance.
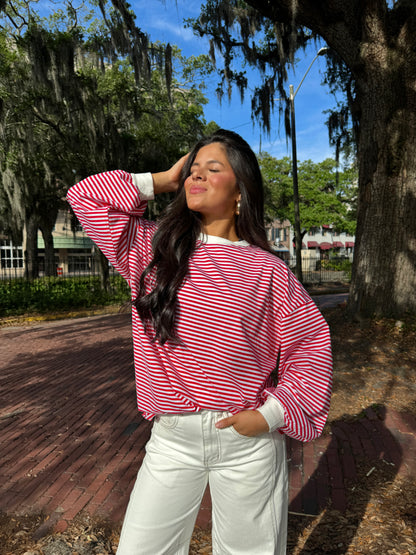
(163, 21)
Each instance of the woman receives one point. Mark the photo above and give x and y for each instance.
(215, 313)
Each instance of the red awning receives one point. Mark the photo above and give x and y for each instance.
(337, 244)
(312, 245)
(349, 244)
(325, 246)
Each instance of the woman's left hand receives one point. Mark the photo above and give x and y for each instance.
(168, 181)
(247, 423)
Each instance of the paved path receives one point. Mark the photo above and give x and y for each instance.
(71, 439)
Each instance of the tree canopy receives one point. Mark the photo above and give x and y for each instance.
(327, 196)
(82, 96)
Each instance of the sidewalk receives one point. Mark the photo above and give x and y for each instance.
(71, 439)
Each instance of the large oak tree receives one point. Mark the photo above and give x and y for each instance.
(375, 44)
(79, 97)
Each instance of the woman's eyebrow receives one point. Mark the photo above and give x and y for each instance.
(208, 162)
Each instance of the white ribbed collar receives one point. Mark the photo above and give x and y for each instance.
(214, 240)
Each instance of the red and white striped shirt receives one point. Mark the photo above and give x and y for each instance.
(241, 314)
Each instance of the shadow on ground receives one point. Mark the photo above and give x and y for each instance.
(361, 457)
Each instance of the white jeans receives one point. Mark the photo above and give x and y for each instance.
(248, 484)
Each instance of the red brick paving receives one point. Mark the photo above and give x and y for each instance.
(71, 439)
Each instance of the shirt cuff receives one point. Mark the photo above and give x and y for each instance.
(144, 183)
(273, 412)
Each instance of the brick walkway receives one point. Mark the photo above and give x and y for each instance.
(71, 439)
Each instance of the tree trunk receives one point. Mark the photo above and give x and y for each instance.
(104, 271)
(31, 250)
(50, 266)
(378, 44)
(384, 268)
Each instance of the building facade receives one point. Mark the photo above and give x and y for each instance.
(319, 243)
(74, 251)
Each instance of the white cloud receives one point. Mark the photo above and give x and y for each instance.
(169, 27)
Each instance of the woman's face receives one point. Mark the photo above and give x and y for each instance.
(211, 188)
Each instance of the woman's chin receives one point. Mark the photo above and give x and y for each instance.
(195, 206)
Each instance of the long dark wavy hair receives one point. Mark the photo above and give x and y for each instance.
(179, 228)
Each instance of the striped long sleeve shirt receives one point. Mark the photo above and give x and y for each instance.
(242, 318)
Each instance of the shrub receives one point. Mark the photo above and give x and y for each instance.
(337, 264)
(48, 294)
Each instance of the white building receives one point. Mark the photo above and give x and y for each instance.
(74, 251)
(319, 243)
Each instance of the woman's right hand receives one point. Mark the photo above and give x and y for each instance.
(168, 181)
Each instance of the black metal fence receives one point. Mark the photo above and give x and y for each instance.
(78, 262)
(317, 271)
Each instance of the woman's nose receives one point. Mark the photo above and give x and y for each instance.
(197, 174)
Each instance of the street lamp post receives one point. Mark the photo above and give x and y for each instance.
(298, 232)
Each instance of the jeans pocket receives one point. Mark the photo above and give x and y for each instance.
(233, 431)
(241, 436)
(168, 421)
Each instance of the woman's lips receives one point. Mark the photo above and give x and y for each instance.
(195, 189)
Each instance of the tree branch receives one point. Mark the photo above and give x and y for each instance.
(48, 122)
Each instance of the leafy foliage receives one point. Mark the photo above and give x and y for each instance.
(327, 196)
(79, 95)
(19, 296)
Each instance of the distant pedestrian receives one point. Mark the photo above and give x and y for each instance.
(215, 313)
